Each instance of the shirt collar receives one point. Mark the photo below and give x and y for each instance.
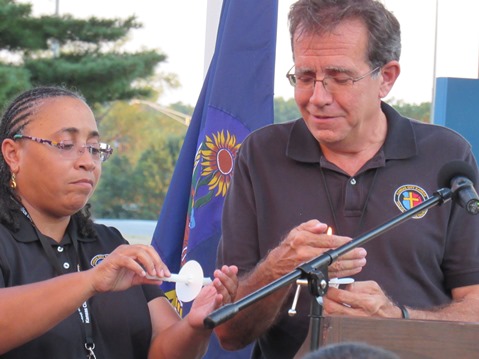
(27, 233)
(401, 139)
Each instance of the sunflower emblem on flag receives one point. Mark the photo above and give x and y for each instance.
(218, 157)
(213, 169)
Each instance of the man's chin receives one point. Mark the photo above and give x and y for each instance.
(327, 137)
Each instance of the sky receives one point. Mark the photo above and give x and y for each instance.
(179, 28)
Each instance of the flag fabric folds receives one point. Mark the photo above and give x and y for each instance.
(236, 98)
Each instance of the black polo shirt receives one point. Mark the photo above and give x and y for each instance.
(281, 179)
(121, 320)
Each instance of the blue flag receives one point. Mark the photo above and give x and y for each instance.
(236, 98)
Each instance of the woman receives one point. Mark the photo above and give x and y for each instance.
(70, 288)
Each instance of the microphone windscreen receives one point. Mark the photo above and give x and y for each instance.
(454, 169)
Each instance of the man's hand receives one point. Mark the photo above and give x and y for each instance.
(309, 240)
(361, 299)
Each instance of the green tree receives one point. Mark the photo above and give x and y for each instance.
(153, 175)
(420, 112)
(114, 197)
(81, 54)
(146, 146)
(285, 110)
(181, 107)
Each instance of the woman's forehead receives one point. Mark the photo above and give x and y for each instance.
(58, 113)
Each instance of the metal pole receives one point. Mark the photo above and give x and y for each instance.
(55, 45)
(213, 13)
(434, 64)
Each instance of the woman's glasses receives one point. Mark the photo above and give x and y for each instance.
(99, 152)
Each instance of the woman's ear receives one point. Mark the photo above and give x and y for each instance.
(11, 154)
(390, 73)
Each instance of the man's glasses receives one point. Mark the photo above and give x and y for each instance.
(332, 84)
(99, 152)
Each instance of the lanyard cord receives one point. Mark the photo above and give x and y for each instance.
(83, 310)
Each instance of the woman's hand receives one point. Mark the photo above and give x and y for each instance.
(127, 266)
(221, 291)
(226, 283)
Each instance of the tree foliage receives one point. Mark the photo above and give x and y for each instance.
(285, 110)
(420, 112)
(183, 108)
(114, 197)
(146, 146)
(76, 53)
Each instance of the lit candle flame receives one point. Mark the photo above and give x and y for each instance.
(329, 231)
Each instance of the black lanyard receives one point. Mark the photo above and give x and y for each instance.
(83, 310)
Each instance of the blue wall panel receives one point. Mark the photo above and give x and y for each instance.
(456, 106)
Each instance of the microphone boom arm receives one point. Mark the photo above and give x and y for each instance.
(317, 267)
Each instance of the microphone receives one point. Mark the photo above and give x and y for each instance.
(460, 177)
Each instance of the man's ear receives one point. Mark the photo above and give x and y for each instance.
(390, 72)
(11, 154)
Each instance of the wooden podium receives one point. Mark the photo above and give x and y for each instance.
(410, 339)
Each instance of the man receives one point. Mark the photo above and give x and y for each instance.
(351, 163)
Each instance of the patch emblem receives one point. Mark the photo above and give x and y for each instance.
(97, 259)
(409, 196)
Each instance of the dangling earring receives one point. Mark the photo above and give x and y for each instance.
(13, 183)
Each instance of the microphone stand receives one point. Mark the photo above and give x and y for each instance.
(316, 271)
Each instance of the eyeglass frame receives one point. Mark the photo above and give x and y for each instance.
(293, 79)
(104, 153)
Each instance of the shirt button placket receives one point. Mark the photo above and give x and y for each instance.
(62, 258)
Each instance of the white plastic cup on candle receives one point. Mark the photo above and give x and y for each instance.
(336, 282)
